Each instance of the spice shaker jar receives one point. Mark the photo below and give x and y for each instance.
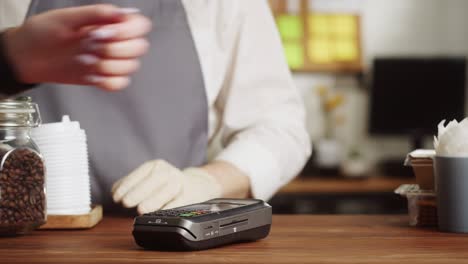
(22, 172)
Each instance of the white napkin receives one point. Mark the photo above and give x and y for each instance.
(452, 140)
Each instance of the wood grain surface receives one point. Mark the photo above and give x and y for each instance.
(294, 239)
(74, 221)
(327, 185)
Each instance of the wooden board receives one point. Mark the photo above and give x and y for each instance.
(74, 221)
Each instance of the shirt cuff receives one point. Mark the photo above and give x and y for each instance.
(8, 78)
(258, 163)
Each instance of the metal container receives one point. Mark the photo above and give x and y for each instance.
(451, 174)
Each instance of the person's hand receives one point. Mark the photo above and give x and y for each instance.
(95, 45)
(159, 185)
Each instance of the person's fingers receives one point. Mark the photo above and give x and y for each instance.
(135, 26)
(116, 185)
(110, 84)
(163, 196)
(110, 75)
(147, 187)
(132, 179)
(115, 67)
(176, 202)
(125, 49)
(86, 60)
(182, 200)
(99, 66)
(113, 84)
(76, 17)
(79, 75)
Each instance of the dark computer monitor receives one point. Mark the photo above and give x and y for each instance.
(410, 96)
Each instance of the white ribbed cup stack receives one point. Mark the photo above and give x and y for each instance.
(64, 148)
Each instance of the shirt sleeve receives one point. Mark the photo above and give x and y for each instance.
(263, 117)
(9, 83)
(12, 12)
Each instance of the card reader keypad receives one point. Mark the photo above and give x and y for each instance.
(180, 213)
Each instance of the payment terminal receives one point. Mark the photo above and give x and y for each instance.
(204, 225)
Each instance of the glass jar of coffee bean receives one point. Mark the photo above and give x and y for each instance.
(22, 172)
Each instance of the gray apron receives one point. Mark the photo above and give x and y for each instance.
(161, 115)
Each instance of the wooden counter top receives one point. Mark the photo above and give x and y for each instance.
(327, 185)
(294, 239)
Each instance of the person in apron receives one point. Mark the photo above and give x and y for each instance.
(139, 123)
(163, 120)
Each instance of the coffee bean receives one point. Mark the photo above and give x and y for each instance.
(22, 181)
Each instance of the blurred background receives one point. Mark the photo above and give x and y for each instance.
(376, 77)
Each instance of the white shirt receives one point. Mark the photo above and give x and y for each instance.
(254, 108)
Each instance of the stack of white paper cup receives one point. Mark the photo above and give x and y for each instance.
(64, 148)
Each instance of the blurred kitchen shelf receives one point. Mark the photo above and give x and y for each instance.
(336, 185)
(332, 68)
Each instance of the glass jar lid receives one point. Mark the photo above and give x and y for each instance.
(19, 112)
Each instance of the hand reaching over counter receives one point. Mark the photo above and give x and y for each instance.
(159, 185)
(96, 45)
